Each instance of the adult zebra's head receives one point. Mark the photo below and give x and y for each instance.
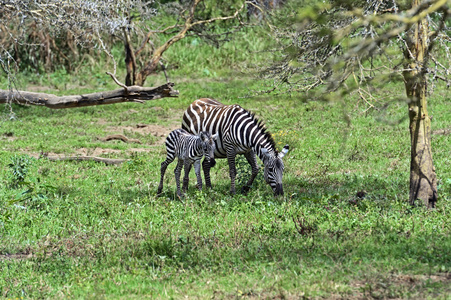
(208, 145)
(274, 169)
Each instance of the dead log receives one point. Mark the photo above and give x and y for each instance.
(121, 138)
(442, 131)
(126, 94)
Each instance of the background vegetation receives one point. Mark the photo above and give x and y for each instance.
(343, 230)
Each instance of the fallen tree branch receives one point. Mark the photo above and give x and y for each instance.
(120, 137)
(128, 94)
(108, 161)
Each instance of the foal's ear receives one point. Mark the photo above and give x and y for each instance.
(214, 137)
(203, 136)
(284, 151)
(265, 152)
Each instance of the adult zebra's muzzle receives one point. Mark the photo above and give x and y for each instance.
(278, 191)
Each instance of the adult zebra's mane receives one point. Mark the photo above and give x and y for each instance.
(261, 126)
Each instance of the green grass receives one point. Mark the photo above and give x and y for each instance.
(88, 230)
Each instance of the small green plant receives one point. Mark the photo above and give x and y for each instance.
(303, 226)
(136, 163)
(19, 167)
(243, 172)
(35, 192)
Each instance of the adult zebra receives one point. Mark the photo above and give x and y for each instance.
(239, 133)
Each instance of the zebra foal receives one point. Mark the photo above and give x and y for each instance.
(239, 132)
(189, 149)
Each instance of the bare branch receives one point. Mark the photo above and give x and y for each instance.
(117, 81)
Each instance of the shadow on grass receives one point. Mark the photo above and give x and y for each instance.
(347, 187)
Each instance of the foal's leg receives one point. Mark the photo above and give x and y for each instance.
(188, 165)
(197, 171)
(164, 165)
(177, 172)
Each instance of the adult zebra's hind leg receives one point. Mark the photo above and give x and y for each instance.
(163, 168)
(252, 160)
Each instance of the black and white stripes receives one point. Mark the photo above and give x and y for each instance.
(189, 149)
(239, 132)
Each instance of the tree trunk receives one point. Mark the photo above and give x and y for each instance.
(423, 180)
(130, 60)
(151, 65)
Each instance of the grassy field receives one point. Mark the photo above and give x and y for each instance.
(89, 230)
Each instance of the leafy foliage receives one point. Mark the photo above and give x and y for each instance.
(48, 34)
(349, 46)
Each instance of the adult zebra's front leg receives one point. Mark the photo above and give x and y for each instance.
(231, 155)
(206, 168)
(252, 160)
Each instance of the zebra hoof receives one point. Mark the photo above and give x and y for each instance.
(245, 189)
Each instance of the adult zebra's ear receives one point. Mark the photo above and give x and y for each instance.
(284, 151)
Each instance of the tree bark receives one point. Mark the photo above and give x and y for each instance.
(126, 94)
(130, 60)
(423, 179)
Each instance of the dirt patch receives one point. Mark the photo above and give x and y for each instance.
(9, 136)
(159, 131)
(94, 152)
(102, 151)
(100, 121)
(382, 288)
